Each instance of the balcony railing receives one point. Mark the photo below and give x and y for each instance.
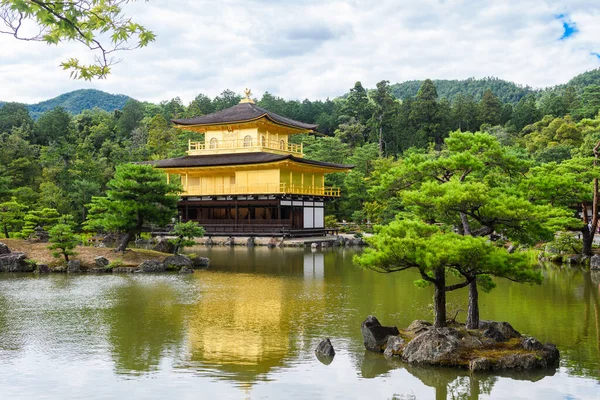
(264, 188)
(243, 145)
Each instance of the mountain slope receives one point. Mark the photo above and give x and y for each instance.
(77, 101)
(508, 92)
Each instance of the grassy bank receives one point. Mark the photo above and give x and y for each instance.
(39, 252)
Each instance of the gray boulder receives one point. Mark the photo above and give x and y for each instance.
(520, 362)
(163, 245)
(532, 344)
(481, 364)
(595, 262)
(177, 261)
(200, 262)
(394, 347)
(272, 243)
(418, 326)
(15, 262)
(4, 249)
(574, 259)
(151, 266)
(325, 349)
(503, 327)
(250, 242)
(101, 262)
(434, 346)
(493, 333)
(186, 270)
(230, 241)
(74, 266)
(375, 335)
(43, 269)
(209, 242)
(60, 269)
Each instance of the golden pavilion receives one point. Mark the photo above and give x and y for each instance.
(247, 178)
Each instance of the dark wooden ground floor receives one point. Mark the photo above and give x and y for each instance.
(256, 215)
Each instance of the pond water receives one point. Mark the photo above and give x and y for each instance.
(247, 328)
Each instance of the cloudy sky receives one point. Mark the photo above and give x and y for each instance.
(318, 49)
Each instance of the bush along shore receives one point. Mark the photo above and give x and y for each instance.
(35, 257)
(494, 346)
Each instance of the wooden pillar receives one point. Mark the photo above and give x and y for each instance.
(186, 183)
(168, 178)
(291, 182)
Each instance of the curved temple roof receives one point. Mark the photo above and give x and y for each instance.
(238, 159)
(243, 112)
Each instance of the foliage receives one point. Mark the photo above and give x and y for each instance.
(88, 22)
(405, 244)
(63, 239)
(185, 232)
(11, 216)
(566, 243)
(44, 218)
(137, 194)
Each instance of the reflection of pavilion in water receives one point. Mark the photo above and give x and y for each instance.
(247, 325)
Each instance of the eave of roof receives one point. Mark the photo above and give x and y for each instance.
(242, 113)
(217, 160)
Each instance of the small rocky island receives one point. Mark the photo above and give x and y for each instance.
(494, 346)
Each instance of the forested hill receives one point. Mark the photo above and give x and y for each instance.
(77, 101)
(507, 92)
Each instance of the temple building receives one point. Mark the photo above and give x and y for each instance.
(247, 178)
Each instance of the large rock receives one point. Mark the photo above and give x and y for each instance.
(200, 262)
(15, 262)
(595, 262)
(394, 347)
(43, 269)
(418, 326)
(163, 245)
(178, 261)
(250, 242)
(101, 262)
(504, 328)
(436, 346)
(4, 249)
(74, 266)
(325, 349)
(186, 270)
(151, 266)
(375, 335)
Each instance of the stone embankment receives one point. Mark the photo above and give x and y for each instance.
(18, 262)
(494, 346)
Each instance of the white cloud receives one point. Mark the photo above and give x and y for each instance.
(318, 49)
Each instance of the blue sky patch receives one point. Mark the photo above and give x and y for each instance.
(595, 54)
(570, 28)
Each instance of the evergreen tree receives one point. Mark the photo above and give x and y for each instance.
(137, 194)
(490, 109)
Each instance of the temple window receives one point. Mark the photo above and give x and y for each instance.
(282, 144)
(213, 143)
(263, 141)
(247, 141)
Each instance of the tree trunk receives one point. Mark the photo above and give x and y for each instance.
(66, 257)
(588, 240)
(473, 311)
(124, 242)
(439, 298)
(6, 231)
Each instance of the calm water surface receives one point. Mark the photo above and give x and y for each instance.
(247, 328)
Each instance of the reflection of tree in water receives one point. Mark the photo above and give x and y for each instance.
(145, 323)
(449, 383)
